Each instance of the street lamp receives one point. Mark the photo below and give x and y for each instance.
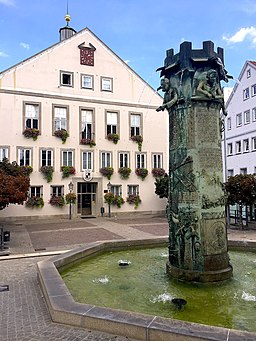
(70, 187)
(109, 190)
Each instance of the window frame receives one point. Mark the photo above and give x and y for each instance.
(253, 90)
(117, 126)
(248, 73)
(246, 145)
(230, 171)
(254, 114)
(246, 93)
(116, 189)
(25, 103)
(229, 126)
(35, 189)
(58, 187)
(239, 120)
(55, 106)
(83, 75)
(238, 147)
(102, 86)
(135, 189)
(140, 162)
(6, 148)
(88, 135)
(157, 163)
(243, 170)
(247, 116)
(72, 151)
(230, 148)
(70, 74)
(127, 162)
(253, 143)
(131, 113)
(24, 149)
(82, 159)
(107, 164)
(47, 150)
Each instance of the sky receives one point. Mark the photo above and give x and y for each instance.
(138, 31)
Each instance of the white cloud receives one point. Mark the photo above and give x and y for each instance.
(2, 54)
(7, 2)
(24, 45)
(127, 61)
(241, 35)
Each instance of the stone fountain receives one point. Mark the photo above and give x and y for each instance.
(196, 200)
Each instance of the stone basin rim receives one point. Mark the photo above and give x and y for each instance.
(64, 309)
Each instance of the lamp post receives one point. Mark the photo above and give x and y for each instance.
(70, 187)
(109, 208)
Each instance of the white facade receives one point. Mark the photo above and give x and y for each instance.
(240, 125)
(54, 89)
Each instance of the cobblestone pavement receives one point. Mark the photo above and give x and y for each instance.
(24, 315)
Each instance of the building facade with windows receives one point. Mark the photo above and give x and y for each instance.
(77, 112)
(240, 127)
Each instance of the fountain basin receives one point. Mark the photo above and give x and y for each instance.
(64, 309)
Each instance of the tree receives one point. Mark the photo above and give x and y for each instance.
(161, 186)
(14, 184)
(241, 190)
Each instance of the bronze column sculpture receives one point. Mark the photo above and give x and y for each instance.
(196, 201)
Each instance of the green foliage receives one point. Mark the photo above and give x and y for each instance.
(124, 172)
(158, 172)
(57, 201)
(138, 139)
(112, 199)
(241, 189)
(31, 133)
(161, 186)
(113, 137)
(35, 202)
(26, 170)
(14, 184)
(67, 171)
(141, 172)
(89, 142)
(62, 134)
(107, 171)
(47, 171)
(133, 199)
(70, 198)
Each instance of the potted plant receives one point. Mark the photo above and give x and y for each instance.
(31, 133)
(107, 171)
(35, 202)
(109, 198)
(70, 198)
(26, 170)
(67, 171)
(89, 142)
(118, 201)
(124, 172)
(47, 171)
(158, 172)
(113, 137)
(141, 172)
(133, 199)
(62, 134)
(57, 201)
(138, 139)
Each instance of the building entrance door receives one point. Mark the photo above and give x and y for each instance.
(86, 195)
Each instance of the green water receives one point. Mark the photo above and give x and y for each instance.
(144, 287)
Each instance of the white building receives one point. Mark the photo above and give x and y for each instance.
(240, 126)
(80, 85)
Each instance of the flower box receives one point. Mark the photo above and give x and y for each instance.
(138, 139)
(158, 172)
(31, 133)
(26, 170)
(47, 171)
(113, 137)
(107, 171)
(134, 199)
(67, 171)
(70, 198)
(35, 202)
(57, 201)
(141, 172)
(89, 142)
(62, 134)
(124, 172)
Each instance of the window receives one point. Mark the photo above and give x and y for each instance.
(248, 73)
(31, 115)
(247, 117)
(229, 123)
(246, 145)
(105, 159)
(67, 158)
(253, 89)
(46, 157)
(112, 121)
(106, 84)
(133, 189)
(254, 143)
(87, 126)
(254, 114)
(87, 160)
(87, 82)
(238, 147)
(239, 119)
(140, 160)
(24, 157)
(230, 148)
(157, 161)
(60, 120)
(135, 124)
(57, 191)
(124, 159)
(116, 189)
(4, 153)
(230, 172)
(66, 78)
(243, 171)
(246, 93)
(36, 191)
